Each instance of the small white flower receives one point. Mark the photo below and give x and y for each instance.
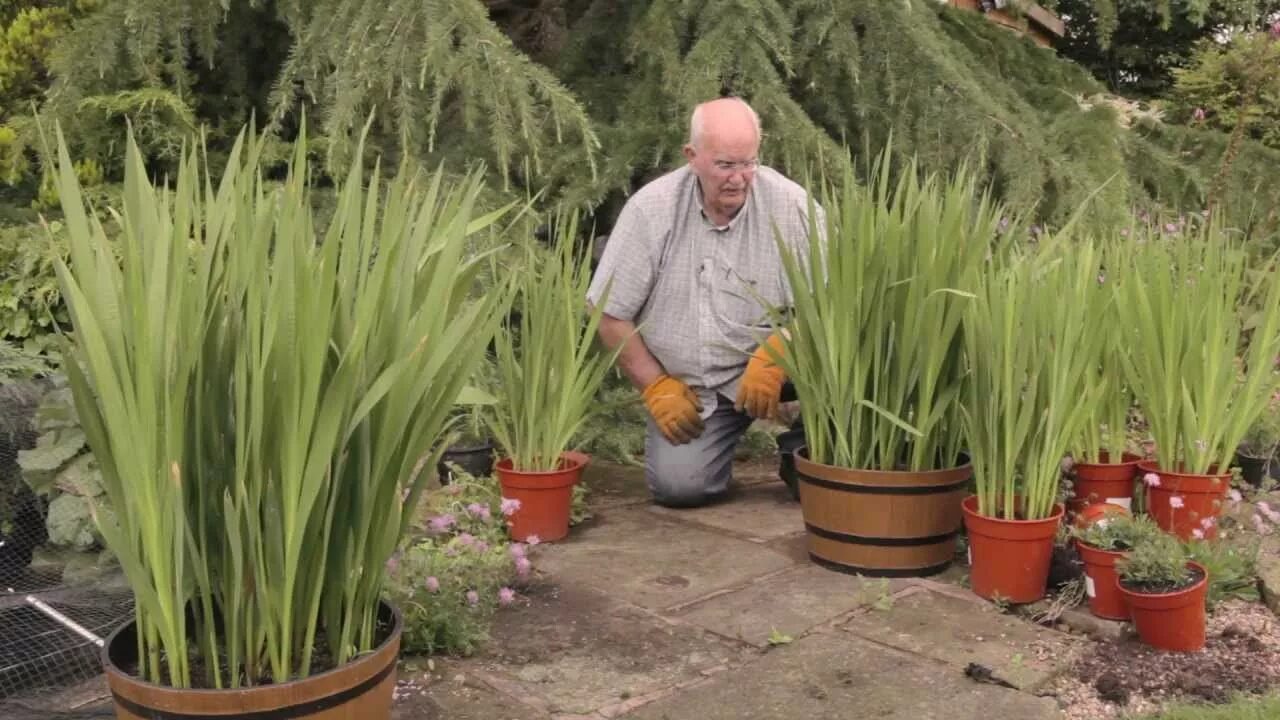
(1175, 502)
(1151, 479)
(1197, 534)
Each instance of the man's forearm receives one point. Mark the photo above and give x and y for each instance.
(639, 365)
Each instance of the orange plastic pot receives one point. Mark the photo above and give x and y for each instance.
(1170, 621)
(1093, 514)
(1105, 482)
(1199, 503)
(1009, 559)
(1100, 586)
(545, 497)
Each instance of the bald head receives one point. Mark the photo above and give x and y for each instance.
(723, 151)
(730, 116)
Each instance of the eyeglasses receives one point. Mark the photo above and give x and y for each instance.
(730, 166)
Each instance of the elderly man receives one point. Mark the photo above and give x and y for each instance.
(695, 267)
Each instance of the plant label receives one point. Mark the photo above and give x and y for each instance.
(1089, 588)
(1126, 503)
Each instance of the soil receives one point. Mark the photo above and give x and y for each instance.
(1160, 588)
(1242, 654)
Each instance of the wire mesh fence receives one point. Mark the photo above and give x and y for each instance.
(58, 601)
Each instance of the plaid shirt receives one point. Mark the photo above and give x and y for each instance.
(694, 289)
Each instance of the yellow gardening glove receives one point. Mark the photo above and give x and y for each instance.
(674, 408)
(761, 386)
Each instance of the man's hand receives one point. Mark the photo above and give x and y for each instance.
(674, 408)
(761, 386)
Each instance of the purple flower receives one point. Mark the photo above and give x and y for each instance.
(1208, 523)
(533, 540)
(1235, 495)
(440, 523)
(393, 564)
(467, 539)
(510, 506)
(1151, 479)
(523, 566)
(481, 546)
(1198, 115)
(1197, 534)
(478, 511)
(1275, 30)
(1170, 227)
(1175, 502)
(517, 550)
(433, 585)
(506, 596)
(473, 597)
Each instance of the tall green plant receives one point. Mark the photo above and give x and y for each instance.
(548, 365)
(258, 397)
(1204, 334)
(874, 347)
(1105, 431)
(1031, 346)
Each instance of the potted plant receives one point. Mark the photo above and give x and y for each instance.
(873, 349)
(1257, 450)
(1165, 592)
(1031, 350)
(258, 397)
(1101, 544)
(470, 446)
(1101, 468)
(1200, 384)
(549, 370)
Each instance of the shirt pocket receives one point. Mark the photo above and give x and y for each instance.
(745, 301)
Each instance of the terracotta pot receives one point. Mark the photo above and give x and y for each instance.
(360, 690)
(1173, 620)
(545, 497)
(881, 523)
(1105, 482)
(1201, 497)
(1105, 599)
(1009, 559)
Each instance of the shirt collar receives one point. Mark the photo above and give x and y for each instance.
(702, 212)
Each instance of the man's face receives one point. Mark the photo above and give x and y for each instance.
(725, 161)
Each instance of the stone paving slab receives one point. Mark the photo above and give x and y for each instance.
(574, 650)
(643, 558)
(1269, 572)
(791, 602)
(959, 631)
(830, 676)
(612, 485)
(759, 512)
(453, 694)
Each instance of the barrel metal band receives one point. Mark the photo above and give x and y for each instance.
(884, 489)
(300, 710)
(878, 541)
(880, 572)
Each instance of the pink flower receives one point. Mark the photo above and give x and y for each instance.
(478, 511)
(433, 585)
(523, 566)
(1235, 495)
(1208, 523)
(473, 597)
(1151, 479)
(1275, 30)
(1171, 227)
(506, 596)
(1197, 534)
(1175, 502)
(393, 564)
(466, 539)
(1198, 115)
(517, 550)
(510, 506)
(481, 546)
(533, 540)
(440, 523)
(1260, 525)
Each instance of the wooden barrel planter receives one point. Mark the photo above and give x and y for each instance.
(882, 523)
(359, 690)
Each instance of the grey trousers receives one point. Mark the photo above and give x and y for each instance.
(698, 472)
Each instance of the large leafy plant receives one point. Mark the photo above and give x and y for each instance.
(548, 365)
(260, 397)
(1106, 430)
(1201, 366)
(874, 340)
(1031, 347)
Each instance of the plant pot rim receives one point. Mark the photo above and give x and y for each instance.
(572, 460)
(469, 447)
(1058, 511)
(802, 454)
(1154, 466)
(1082, 545)
(1240, 454)
(111, 668)
(1133, 459)
(1204, 579)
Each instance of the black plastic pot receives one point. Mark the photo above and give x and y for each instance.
(476, 460)
(1252, 469)
(788, 443)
